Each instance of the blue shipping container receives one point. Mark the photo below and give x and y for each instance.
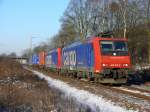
(78, 56)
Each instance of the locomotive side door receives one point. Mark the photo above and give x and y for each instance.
(90, 57)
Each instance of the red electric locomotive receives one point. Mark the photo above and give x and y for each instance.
(112, 59)
(104, 59)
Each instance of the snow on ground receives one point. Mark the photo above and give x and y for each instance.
(96, 103)
(134, 91)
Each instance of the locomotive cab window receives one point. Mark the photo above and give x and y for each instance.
(110, 47)
(107, 46)
(120, 46)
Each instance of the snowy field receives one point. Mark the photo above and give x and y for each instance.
(94, 102)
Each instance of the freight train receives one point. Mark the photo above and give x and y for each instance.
(102, 59)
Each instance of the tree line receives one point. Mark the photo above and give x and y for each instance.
(125, 18)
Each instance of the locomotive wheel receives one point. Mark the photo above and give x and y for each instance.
(115, 76)
(90, 76)
(74, 74)
(79, 75)
(96, 78)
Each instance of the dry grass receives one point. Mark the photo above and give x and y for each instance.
(21, 91)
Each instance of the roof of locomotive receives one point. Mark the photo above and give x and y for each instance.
(113, 39)
(91, 39)
(73, 44)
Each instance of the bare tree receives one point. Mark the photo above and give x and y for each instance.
(127, 18)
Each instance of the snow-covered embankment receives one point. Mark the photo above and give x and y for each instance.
(94, 102)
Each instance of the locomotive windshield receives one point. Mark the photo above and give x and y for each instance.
(107, 46)
(114, 47)
(120, 46)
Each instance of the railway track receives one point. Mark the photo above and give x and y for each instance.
(142, 94)
(137, 89)
(131, 91)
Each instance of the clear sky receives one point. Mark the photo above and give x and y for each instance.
(21, 19)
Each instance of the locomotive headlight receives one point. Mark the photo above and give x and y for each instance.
(125, 65)
(97, 71)
(104, 65)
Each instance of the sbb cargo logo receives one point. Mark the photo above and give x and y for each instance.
(70, 58)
